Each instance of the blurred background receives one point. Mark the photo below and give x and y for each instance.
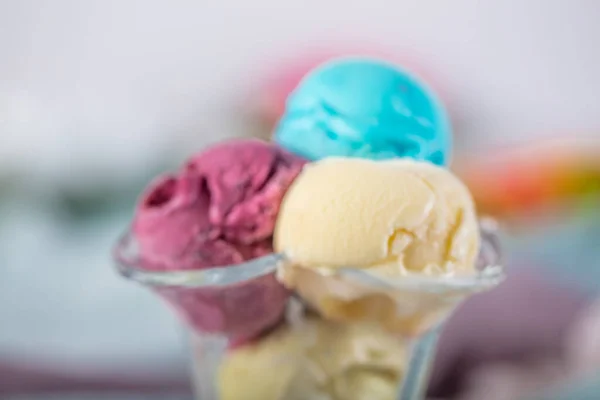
(98, 96)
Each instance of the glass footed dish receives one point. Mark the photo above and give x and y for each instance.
(227, 308)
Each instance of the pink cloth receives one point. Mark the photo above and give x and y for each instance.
(24, 378)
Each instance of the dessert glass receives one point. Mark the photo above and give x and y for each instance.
(210, 300)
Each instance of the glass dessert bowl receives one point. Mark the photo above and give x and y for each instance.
(252, 339)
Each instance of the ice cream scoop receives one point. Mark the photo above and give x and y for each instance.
(360, 107)
(315, 359)
(267, 100)
(218, 210)
(392, 219)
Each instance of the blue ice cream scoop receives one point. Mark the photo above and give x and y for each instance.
(358, 107)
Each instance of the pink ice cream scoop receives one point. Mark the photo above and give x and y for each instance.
(219, 210)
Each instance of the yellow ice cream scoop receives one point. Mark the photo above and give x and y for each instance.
(395, 219)
(315, 359)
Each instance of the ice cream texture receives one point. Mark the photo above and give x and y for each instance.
(393, 218)
(219, 209)
(315, 360)
(400, 216)
(368, 108)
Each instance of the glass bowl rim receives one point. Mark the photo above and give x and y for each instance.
(128, 262)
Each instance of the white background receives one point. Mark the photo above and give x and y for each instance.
(94, 75)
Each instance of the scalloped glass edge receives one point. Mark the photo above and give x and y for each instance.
(490, 270)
